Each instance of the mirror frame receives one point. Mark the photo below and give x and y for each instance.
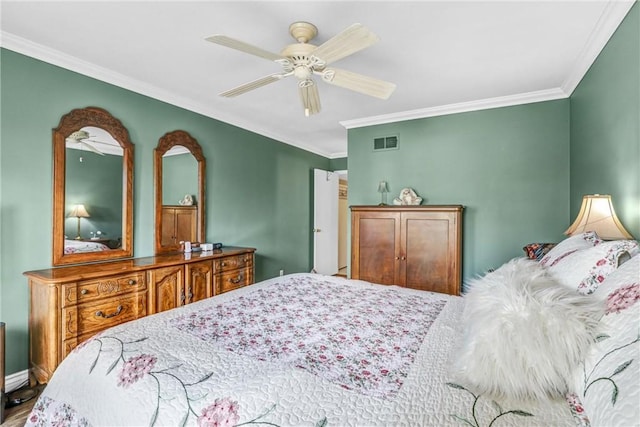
(72, 122)
(169, 140)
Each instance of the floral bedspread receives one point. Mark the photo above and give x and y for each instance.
(297, 350)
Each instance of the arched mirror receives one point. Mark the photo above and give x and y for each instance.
(179, 167)
(93, 188)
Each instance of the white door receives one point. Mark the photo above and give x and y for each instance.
(325, 222)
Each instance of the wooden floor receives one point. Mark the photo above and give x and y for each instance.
(17, 416)
(342, 272)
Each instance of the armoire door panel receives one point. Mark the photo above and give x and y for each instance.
(185, 225)
(378, 249)
(168, 227)
(428, 259)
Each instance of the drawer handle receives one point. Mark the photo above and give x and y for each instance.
(182, 297)
(84, 292)
(132, 282)
(190, 294)
(107, 316)
(236, 281)
(223, 264)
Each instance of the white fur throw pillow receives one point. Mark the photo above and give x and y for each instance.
(525, 334)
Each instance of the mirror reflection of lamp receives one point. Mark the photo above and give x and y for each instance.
(597, 214)
(79, 211)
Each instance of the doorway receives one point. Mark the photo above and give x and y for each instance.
(343, 222)
(330, 220)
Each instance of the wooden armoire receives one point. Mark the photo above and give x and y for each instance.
(416, 247)
(179, 223)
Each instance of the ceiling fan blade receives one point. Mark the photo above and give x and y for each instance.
(358, 82)
(252, 85)
(91, 147)
(354, 38)
(310, 98)
(243, 47)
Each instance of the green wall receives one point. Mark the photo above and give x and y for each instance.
(605, 126)
(507, 166)
(258, 189)
(338, 164)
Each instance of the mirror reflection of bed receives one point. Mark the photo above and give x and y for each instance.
(80, 246)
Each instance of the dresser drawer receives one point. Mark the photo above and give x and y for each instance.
(232, 262)
(231, 280)
(94, 317)
(105, 287)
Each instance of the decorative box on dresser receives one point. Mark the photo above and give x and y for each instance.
(417, 247)
(71, 304)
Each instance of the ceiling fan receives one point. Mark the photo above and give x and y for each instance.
(304, 60)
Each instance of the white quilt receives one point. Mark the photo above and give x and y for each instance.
(296, 350)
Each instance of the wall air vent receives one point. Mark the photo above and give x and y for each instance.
(385, 143)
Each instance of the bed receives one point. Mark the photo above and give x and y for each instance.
(80, 246)
(302, 349)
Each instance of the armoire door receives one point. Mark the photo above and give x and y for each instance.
(376, 238)
(428, 257)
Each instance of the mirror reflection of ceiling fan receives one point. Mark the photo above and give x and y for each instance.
(304, 60)
(94, 139)
(81, 138)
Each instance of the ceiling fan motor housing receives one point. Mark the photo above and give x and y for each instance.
(303, 31)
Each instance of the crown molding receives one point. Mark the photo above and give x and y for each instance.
(54, 57)
(612, 15)
(463, 107)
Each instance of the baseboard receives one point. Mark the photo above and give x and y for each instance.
(15, 381)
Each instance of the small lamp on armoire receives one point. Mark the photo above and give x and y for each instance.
(597, 214)
(383, 190)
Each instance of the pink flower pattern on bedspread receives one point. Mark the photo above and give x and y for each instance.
(623, 298)
(331, 330)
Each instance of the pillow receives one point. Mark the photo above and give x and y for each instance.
(569, 246)
(537, 250)
(609, 386)
(585, 269)
(525, 334)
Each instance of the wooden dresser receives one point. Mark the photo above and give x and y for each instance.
(71, 304)
(417, 247)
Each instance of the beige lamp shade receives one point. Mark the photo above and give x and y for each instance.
(597, 214)
(79, 211)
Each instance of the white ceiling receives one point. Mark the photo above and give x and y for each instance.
(444, 56)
